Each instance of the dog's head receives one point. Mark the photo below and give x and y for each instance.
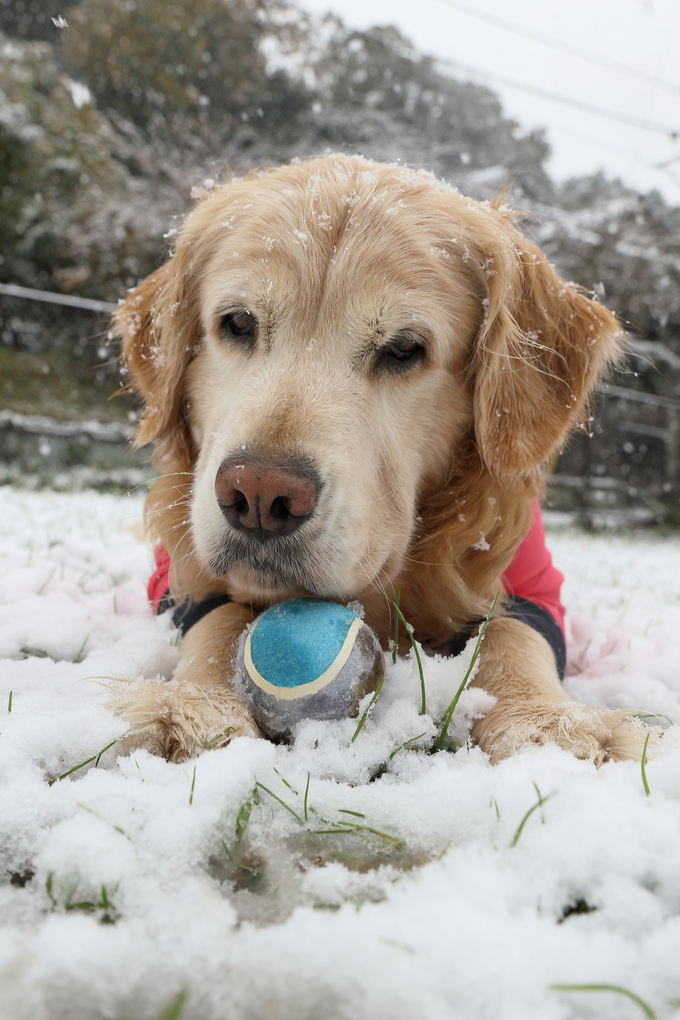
(327, 341)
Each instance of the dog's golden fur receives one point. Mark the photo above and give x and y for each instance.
(428, 474)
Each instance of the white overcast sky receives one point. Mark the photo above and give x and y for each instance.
(642, 36)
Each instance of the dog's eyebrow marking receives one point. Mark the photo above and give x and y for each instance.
(267, 331)
(365, 351)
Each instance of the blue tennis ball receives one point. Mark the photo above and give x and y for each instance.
(306, 659)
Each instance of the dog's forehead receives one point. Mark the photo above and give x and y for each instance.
(369, 237)
(331, 209)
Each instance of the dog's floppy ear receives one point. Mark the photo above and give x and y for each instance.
(541, 349)
(158, 336)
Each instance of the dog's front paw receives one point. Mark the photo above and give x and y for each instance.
(600, 734)
(179, 720)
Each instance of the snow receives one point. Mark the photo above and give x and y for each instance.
(123, 900)
(40, 424)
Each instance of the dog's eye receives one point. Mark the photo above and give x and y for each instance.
(400, 353)
(241, 325)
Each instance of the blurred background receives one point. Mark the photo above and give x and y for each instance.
(112, 111)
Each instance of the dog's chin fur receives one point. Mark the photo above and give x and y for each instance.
(428, 469)
(260, 586)
(250, 586)
(277, 568)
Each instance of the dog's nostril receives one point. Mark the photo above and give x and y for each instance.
(240, 505)
(234, 499)
(266, 499)
(280, 509)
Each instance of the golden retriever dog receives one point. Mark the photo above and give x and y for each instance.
(388, 365)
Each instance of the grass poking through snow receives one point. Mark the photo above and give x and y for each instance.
(643, 765)
(175, 1008)
(414, 646)
(395, 642)
(338, 826)
(288, 808)
(448, 714)
(382, 769)
(306, 800)
(539, 804)
(646, 1009)
(365, 714)
(109, 914)
(95, 758)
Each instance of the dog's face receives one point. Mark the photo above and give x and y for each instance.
(327, 335)
(334, 352)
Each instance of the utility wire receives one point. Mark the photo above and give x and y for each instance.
(89, 304)
(555, 97)
(565, 47)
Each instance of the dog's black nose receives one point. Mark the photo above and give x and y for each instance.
(265, 498)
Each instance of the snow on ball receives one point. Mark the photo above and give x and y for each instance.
(306, 659)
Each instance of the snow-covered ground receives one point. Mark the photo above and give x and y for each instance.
(281, 882)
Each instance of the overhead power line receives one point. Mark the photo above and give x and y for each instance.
(89, 304)
(555, 97)
(564, 47)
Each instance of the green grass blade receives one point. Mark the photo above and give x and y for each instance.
(193, 784)
(237, 864)
(394, 840)
(448, 714)
(326, 832)
(357, 830)
(174, 1009)
(242, 819)
(286, 783)
(305, 811)
(220, 736)
(80, 654)
(411, 740)
(643, 765)
(646, 1009)
(382, 768)
(49, 885)
(409, 631)
(95, 757)
(36, 653)
(539, 804)
(9, 701)
(116, 828)
(653, 715)
(370, 705)
(288, 808)
(395, 643)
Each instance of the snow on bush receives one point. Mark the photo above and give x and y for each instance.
(328, 879)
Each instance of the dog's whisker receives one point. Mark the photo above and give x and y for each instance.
(384, 495)
(373, 579)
